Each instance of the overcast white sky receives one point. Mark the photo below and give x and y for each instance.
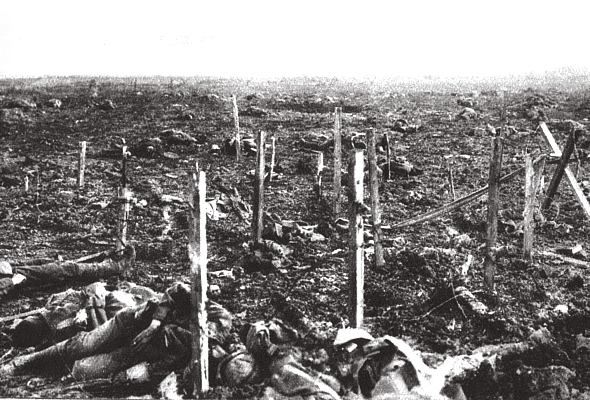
(257, 38)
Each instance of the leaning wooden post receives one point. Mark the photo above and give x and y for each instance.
(375, 209)
(82, 164)
(125, 201)
(356, 275)
(568, 172)
(388, 156)
(272, 156)
(337, 158)
(237, 140)
(493, 206)
(258, 214)
(197, 251)
(560, 170)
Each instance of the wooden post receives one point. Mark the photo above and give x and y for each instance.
(125, 201)
(318, 174)
(388, 156)
(197, 251)
(237, 140)
(493, 206)
(272, 156)
(26, 183)
(529, 203)
(82, 164)
(337, 159)
(374, 191)
(533, 174)
(356, 275)
(258, 200)
(560, 170)
(568, 172)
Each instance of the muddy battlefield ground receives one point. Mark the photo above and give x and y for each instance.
(170, 124)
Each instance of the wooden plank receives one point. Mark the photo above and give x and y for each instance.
(568, 172)
(82, 164)
(560, 170)
(493, 207)
(258, 200)
(237, 142)
(337, 159)
(375, 208)
(197, 248)
(356, 275)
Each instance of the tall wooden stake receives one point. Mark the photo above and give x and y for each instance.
(560, 170)
(356, 275)
(82, 164)
(125, 201)
(493, 206)
(337, 159)
(258, 214)
(388, 155)
(272, 156)
(238, 142)
(197, 251)
(532, 183)
(375, 209)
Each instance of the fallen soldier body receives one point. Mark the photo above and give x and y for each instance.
(72, 311)
(155, 331)
(64, 271)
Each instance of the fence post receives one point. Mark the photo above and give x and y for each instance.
(197, 249)
(493, 206)
(356, 275)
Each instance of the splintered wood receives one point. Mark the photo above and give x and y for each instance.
(197, 249)
(356, 275)
(388, 157)
(337, 158)
(258, 214)
(237, 139)
(272, 156)
(568, 172)
(124, 196)
(318, 175)
(493, 206)
(81, 164)
(375, 208)
(532, 183)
